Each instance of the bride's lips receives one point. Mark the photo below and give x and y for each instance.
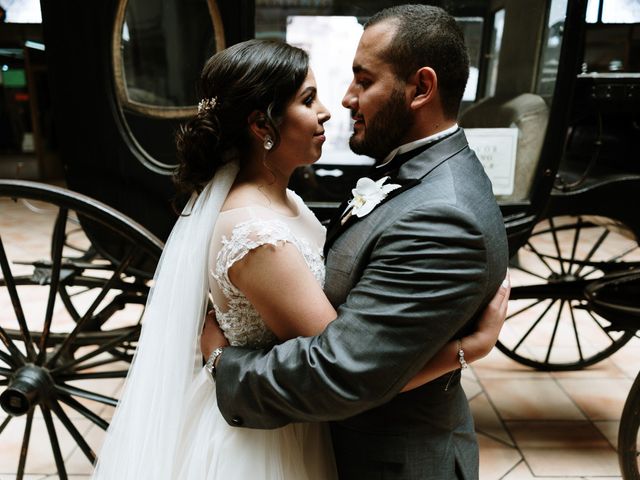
(320, 136)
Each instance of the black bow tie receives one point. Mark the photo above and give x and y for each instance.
(396, 162)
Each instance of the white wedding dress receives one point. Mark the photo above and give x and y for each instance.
(208, 448)
(167, 425)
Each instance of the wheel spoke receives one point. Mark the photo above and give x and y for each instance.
(514, 314)
(75, 294)
(94, 375)
(105, 347)
(55, 446)
(6, 358)
(73, 431)
(4, 424)
(15, 301)
(5, 372)
(574, 247)
(17, 357)
(534, 325)
(608, 334)
(87, 316)
(612, 259)
(540, 257)
(623, 254)
(25, 445)
(98, 363)
(84, 411)
(557, 245)
(593, 250)
(555, 330)
(57, 243)
(575, 331)
(78, 392)
(529, 272)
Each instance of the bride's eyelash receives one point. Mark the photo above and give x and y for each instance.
(309, 100)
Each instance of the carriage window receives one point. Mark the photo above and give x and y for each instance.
(507, 127)
(613, 11)
(612, 43)
(20, 11)
(472, 28)
(159, 49)
(621, 11)
(551, 49)
(494, 52)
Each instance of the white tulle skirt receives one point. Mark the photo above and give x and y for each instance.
(210, 449)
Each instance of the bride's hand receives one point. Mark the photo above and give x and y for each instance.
(479, 343)
(212, 336)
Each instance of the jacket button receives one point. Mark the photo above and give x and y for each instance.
(237, 421)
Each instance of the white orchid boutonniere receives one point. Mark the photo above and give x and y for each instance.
(368, 194)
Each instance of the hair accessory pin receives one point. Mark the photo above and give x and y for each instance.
(207, 104)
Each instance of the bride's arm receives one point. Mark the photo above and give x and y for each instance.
(280, 286)
(475, 346)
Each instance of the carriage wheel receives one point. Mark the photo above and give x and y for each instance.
(550, 325)
(629, 435)
(73, 285)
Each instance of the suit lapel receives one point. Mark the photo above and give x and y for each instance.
(335, 224)
(408, 174)
(336, 227)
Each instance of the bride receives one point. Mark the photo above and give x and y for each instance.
(260, 118)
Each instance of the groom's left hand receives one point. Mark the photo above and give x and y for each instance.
(212, 336)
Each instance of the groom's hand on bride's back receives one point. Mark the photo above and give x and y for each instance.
(212, 336)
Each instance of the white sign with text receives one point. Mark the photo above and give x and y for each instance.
(496, 148)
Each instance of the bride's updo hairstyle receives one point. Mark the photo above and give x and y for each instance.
(260, 75)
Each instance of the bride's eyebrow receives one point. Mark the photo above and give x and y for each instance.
(308, 90)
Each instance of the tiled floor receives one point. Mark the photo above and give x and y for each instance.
(531, 425)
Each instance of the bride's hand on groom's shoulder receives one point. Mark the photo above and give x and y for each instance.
(212, 336)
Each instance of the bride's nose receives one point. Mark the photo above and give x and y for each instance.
(323, 114)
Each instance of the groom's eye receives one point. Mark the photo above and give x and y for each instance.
(363, 82)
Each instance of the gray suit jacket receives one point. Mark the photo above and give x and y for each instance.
(405, 279)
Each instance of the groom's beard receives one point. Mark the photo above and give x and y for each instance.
(386, 129)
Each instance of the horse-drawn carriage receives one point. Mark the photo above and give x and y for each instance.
(551, 108)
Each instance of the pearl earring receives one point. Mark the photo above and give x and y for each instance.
(268, 143)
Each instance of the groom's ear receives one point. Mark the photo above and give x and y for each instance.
(425, 83)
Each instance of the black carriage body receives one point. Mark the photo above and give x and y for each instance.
(100, 156)
(600, 169)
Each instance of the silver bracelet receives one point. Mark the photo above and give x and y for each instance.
(210, 366)
(463, 362)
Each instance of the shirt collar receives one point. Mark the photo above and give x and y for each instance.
(407, 147)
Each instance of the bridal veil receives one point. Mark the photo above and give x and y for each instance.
(141, 440)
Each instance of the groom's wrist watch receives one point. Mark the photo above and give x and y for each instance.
(210, 366)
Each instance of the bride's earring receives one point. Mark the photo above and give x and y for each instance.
(268, 143)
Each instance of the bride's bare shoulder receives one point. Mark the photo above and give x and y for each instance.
(243, 196)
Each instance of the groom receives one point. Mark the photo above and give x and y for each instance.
(405, 278)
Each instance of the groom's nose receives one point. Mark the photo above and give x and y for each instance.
(350, 99)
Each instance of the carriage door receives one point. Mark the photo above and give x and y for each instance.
(123, 75)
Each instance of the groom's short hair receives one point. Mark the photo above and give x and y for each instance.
(427, 36)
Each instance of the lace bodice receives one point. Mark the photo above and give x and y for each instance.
(239, 231)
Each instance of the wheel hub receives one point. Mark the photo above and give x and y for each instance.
(560, 277)
(28, 387)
